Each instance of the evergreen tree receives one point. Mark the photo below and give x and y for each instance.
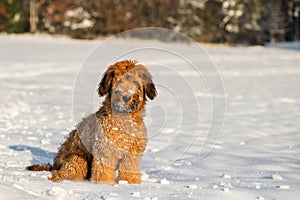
(13, 16)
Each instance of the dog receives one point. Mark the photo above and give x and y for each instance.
(112, 139)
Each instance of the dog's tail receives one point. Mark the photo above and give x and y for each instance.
(38, 167)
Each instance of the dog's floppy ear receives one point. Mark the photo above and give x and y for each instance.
(150, 90)
(149, 87)
(106, 83)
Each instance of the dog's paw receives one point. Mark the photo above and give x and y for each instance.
(131, 178)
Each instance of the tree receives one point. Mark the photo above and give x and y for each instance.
(13, 16)
(34, 7)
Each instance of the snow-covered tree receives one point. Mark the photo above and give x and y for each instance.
(189, 20)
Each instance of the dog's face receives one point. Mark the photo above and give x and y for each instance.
(128, 86)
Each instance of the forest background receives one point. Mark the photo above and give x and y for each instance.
(213, 21)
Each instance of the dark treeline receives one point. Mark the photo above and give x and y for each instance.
(218, 21)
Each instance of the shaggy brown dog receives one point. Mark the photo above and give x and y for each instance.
(114, 137)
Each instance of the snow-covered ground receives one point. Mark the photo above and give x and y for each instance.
(47, 84)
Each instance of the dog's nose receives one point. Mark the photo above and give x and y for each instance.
(126, 99)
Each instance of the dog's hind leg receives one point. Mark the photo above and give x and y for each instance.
(74, 168)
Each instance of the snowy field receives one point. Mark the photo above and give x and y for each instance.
(235, 140)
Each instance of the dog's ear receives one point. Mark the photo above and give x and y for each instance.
(150, 90)
(106, 83)
(149, 87)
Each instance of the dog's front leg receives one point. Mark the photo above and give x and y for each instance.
(129, 169)
(102, 173)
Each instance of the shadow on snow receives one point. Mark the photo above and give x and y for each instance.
(39, 156)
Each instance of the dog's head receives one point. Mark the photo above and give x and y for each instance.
(127, 85)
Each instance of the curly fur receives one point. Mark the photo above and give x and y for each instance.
(114, 137)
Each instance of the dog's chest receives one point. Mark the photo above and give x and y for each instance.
(124, 133)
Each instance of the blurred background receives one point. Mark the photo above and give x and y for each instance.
(212, 21)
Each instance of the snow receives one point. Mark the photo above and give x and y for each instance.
(48, 83)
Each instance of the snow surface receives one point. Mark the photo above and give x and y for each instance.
(47, 84)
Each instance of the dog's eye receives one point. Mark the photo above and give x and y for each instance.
(126, 99)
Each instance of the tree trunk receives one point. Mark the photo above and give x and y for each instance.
(33, 19)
